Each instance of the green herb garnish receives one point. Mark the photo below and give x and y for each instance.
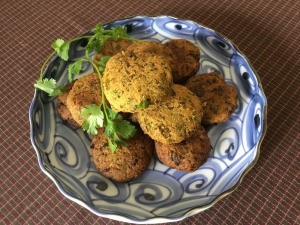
(117, 130)
(49, 86)
(74, 69)
(95, 118)
(61, 48)
(143, 104)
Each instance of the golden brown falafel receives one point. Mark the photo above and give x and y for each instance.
(186, 57)
(128, 162)
(130, 79)
(200, 83)
(219, 98)
(112, 47)
(85, 91)
(152, 47)
(62, 109)
(187, 155)
(174, 118)
(221, 101)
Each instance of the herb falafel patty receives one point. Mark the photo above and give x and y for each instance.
(218, 97)
(186, 56)
(111, 47)
(152, 47)
(128, 162)
(130, 79)
(187, 155)
(85, 91)
(63, 110)
(174, 118)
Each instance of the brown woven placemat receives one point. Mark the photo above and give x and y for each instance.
(267, 32)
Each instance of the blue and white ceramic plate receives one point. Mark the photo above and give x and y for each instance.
(161, 194)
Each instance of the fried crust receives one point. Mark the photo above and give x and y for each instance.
(85, 91)
(128, 162)
(186, 56)
(174, 118)
(187, 155)
(129, 79)
(219, 98)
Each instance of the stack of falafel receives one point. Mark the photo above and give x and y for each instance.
(178, 104)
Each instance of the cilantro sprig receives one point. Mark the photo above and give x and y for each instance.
(117, 130)
(95, 118)
(49, 86)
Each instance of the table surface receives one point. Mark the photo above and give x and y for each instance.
(267, 32)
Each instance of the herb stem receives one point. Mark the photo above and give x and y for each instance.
(81, 37)
(86, 52)
(101, 86)
(45, 63)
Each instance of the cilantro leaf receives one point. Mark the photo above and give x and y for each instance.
(96, 42)
(101, 35)
(116, 125)
(74, 69)
(112, 145)
(93, 118)
(124, 127)
(61, 48)
(49, 86)
(117, 129)
(102, 63)
(59, 90)
(99, 29)
(109, 128)
(112, 133)
(119, 32)
(57, 44)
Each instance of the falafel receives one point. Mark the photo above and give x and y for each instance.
(187, 155)
(186, 56)
(130, 79)
(128, 162)
(85, 91)
(201, 83)
(111, 47)
(154, 48)
(62, 109)
(219, 98)
(174, 118)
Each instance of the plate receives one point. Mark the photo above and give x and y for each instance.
(161, 194)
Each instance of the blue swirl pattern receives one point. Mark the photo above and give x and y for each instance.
(64, 153)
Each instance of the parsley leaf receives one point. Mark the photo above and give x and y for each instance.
(49, 86)
(94, 118)
(74, 69)
(61, 48)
